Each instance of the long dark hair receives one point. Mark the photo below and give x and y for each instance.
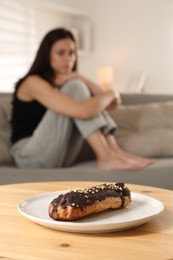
(41, 65)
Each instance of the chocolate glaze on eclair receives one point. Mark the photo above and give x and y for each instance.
(78, 203)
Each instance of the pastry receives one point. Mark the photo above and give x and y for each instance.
(76, 204)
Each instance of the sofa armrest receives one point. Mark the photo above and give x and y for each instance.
(141, 98)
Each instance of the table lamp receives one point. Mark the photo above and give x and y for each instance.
(105, 77)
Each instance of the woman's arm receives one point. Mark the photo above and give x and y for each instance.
(94, 88)
(36, 88)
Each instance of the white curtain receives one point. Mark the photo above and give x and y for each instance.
(17, 41)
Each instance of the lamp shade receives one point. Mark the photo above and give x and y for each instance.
(105, 77)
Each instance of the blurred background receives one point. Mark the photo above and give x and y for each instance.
(126, 43)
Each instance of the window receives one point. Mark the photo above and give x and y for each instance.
(17, 41)
(23, 23)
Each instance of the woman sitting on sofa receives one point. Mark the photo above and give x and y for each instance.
(55, 109)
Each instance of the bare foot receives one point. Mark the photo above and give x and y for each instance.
(120, 162)
(144, 160)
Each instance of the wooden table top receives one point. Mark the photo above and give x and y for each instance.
(22, 239)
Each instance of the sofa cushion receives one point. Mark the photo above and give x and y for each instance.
(146, 129)
(5, 115)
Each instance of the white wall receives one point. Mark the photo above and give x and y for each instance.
(133, 36)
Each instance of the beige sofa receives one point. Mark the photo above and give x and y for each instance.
(145, 127)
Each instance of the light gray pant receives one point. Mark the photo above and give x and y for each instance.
(57, 140)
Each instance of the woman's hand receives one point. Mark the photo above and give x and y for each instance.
(116, 102)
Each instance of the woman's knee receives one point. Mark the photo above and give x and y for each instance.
(76, 88)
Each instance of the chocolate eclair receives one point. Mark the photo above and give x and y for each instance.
(76, 204)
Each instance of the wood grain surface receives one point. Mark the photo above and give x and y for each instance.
(22, 239)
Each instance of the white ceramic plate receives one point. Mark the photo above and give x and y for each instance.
(141, 210)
